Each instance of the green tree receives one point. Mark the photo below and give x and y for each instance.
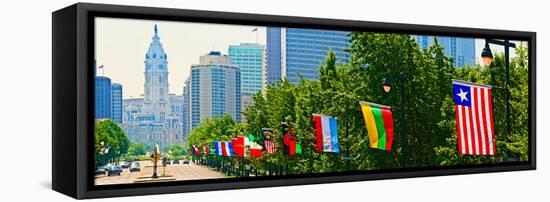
(137, 149)
(177, 150)
(110, 141)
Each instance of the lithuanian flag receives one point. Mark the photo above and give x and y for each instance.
(379, 121)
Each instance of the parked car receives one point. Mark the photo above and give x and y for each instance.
(114, 170)
(125, 164)
(176, 161)
(100, 170)
(135, 167)
(186, 162)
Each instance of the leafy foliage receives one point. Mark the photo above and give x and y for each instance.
(110, 141)
(421, 100)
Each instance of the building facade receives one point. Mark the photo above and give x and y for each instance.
(102, 97)
(186, 107)
(302, 51)
(273, 54)
(462, 50)
(157, 117)
(116, 102)
(215, 88)
(250, 58)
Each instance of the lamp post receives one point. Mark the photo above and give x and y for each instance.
(487, 56)
(386, 85)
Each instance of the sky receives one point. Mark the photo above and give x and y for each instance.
(121, 45)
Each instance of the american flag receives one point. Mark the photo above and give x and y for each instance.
(270, 143)
(474, 118)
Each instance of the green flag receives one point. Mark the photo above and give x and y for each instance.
(298, 149)
(251, 137)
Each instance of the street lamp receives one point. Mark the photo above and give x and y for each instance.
(386, 85)
(487, 55)
(488, 59)
(403, 132)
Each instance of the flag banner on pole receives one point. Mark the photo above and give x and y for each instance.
(239, 146)
(206, 149)
(326, 133)
(251, 137)
(196, 150)
(255, 149)
(379, 123)
(234, 145)
(211, 149)
(218, 146)
(270, 143)
(289, 140)
(474, 118)
(227, 148)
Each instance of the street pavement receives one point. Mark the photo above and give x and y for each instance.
(181, 172)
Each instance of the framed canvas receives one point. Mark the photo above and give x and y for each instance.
(158, 100)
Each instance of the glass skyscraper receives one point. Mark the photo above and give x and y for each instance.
(186, 107)
(463, 50)
(292, 52)
(249, 57)
(215, 88)
(273, 54)
(116, 102)
(102, 97)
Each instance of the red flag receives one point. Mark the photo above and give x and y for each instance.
(255, 149)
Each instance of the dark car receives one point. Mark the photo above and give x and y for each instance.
(186, 162)
(135, 167)
(100, 170)
(176, 162)
(125, 164)
(114, 170)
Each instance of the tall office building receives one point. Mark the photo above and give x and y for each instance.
(215, 88)
(463, 50)
(249, 57)
(292, 52)
(273, 54)
(116, 102)
(102, 97)
(186, 108)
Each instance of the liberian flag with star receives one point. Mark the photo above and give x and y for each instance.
(474, 118)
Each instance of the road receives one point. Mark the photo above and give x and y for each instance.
(181, 172)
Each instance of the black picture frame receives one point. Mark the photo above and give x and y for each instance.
(72, 99)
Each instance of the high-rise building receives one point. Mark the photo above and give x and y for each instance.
(273, 54)
(463, 50)
(249, 57)
(116, 102)
(186, 107)
(157, 117)
(302, 51)
(215, 88)
(102, 97)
